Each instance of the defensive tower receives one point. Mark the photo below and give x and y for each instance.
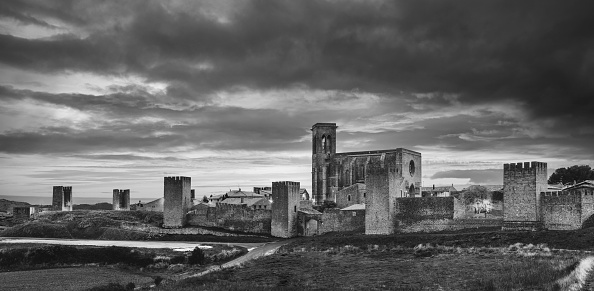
(522, 185)
(285, 204)
(177, 201)
(121, 199)
(62, 198)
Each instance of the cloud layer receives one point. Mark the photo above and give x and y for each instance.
(179, 80)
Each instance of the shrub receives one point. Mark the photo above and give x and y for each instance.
(111, 287)
(197, 257)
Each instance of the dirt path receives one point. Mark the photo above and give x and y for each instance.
(261, 251)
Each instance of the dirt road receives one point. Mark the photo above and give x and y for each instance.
(261, 251)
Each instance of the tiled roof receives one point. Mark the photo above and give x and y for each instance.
(439, 189)
(246, 201)
(354, 207)
(240, 193)
(309, 211)
(587, 184)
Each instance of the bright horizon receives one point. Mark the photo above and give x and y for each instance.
(118, 95)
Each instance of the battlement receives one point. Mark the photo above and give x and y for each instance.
(177, 178)
(286, 183)
(526, 166)
(121, 191)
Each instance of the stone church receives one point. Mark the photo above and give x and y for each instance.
(336, 174)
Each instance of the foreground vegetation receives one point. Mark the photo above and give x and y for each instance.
(146, 266)
(112, 225)
(448, 261)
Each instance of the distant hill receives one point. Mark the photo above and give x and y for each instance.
(6, 205)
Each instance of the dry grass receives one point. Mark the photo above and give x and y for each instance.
(379, 268)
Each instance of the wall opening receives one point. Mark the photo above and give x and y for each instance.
(324, 143)
(411, 191)
(348, 197)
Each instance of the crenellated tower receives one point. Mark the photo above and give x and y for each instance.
(522, 185)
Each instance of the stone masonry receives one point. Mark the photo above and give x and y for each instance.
(177, 201)
(121, 199)
(522, 185)
(285, 204)
(62, 198)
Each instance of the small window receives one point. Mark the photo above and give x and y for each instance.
(295, 208)
(364, 195)
(349, 198)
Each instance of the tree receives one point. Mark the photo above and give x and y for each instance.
(197, 257)
(572, 174)
(204, 199)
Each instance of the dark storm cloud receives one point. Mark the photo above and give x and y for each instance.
(536, 53)
(487, 176)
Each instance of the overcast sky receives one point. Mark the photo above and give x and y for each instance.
(118, 94)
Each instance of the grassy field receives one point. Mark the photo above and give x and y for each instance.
(451, 261)
(387, 270)
(20, 263)
(76, 278)
(108, 225)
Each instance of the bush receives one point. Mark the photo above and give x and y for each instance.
(57, 254)
(197, 257)
(111, 287)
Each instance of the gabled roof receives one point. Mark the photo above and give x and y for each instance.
(246, 201)
(439, 189)
(309, 211)
(584, 184)
(354, 207)
(239, 193)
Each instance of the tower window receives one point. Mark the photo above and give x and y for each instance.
(323, 143)
(349, 198)
(295, 208)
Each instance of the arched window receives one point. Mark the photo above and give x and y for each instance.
(328, 144)
(411, 191)
(349, 198)
(324, 144)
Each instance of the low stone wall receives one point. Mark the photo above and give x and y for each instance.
(336, 220)
(232, 217)
(430, 214)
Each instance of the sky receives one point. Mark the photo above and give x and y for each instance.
(119, 94)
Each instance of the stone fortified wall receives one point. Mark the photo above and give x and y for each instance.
(232, 217)
(522, 184)
(62, 198)
(177, 201)
(424, 214)
(285, 203)
(336, 220)
(561, 212)
(121, 199)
